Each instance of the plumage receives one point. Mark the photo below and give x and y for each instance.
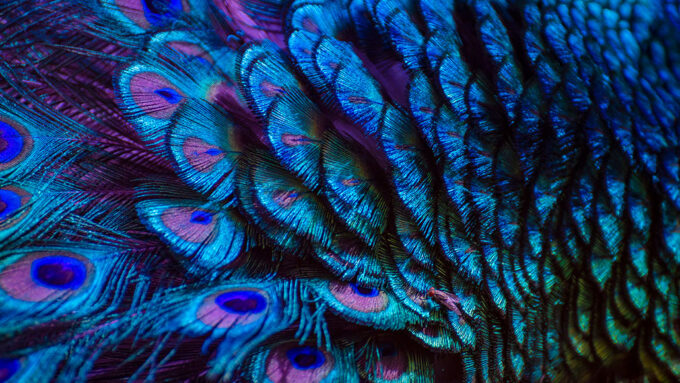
(339, 190)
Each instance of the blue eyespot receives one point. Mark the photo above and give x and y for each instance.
(170, 95)
(8, 367)
(156, 11)
(59, 272)
(213, 152)
(11, 142)
(203, 61)
(10, 202)
(364, 291)
(201, 217)
(242, 302)
(305, 357)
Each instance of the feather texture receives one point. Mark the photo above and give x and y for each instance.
(339, 190)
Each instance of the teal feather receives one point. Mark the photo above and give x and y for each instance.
(387, 361)
(294, 127)
(349, 258)
(37, 366)
(265, 77)
(276, 198)
(204, 146)
(352, 190)
(32, 149)
(204, 235)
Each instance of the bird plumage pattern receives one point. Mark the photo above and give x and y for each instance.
(339, 190)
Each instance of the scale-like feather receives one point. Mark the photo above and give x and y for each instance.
(354, 190)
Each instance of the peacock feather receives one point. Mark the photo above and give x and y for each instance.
(339, 190)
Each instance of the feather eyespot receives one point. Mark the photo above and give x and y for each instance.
(156, 11)
(285, 199)
(359, 298)
(203, 237)
(155, 95)
(190, 224)
(305, 357)
(201, 155)
(8, 367)
(59, 272)
(15, 144)
(46, 276)
(201, 217)
(230, 308)
(12, 200)
(364, 291)
(151, 13)
(294, 363)
(242, 302)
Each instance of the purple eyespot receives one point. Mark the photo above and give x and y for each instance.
(59, 272)
(190, 224)
(200, 155)
(44, 276)
(155, 95)
(359, 298)
(305, 357)
(295, 139)
(285, 198)
(242, 302)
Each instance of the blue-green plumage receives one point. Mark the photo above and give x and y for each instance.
(354, 190)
